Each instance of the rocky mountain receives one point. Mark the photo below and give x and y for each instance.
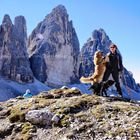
(64, 113)
(54, 49)
(100, 41)
(67, 114)
(16, 75)
(53, 57)
(14, 60)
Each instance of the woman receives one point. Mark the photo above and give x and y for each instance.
(114, 66)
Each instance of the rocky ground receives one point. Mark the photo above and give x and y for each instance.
(66, 114)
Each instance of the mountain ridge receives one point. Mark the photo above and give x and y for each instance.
(54, 56)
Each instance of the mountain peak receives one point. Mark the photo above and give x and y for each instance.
(13, 40)
(101, 30)
(54, 42)
(7, 20)
(20, 19)
(20, 25)
(60, 9)
(99, 33)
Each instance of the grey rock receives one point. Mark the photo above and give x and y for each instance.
(53, 49)
(40, 117)
(4, 112)
(56, 118)
(14, 61)
(6, 131)
(64, 87)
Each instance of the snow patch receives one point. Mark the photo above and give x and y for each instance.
(10, 89)
(127, 92)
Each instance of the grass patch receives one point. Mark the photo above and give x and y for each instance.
(17, 115)
(26, 127)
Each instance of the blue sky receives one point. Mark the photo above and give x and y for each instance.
(119, 18)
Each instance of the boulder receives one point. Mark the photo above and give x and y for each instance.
(40, 117)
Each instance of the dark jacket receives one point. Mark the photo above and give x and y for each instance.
(115, 62)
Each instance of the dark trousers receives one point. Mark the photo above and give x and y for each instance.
(115, 75)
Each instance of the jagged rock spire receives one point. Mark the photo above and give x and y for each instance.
(6, 20)
(14, 62)
(20, 25)
(54, 49)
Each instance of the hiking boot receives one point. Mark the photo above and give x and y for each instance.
(119, 95)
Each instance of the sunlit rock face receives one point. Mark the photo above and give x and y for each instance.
(53, 49)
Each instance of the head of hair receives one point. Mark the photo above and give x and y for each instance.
(113, 45)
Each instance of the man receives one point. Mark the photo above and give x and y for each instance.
(114, 66)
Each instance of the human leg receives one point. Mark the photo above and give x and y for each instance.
(115, 75)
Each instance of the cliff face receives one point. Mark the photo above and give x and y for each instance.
(100, 41)
(14, 61)
(54, 49)
(129, 81)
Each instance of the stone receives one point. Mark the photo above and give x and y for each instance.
(40, 117)
(5, 112)
(53, 49)
(55, 119)
(6, 131)
(64, 87)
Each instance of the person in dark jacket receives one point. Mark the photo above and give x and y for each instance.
(114, 67)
